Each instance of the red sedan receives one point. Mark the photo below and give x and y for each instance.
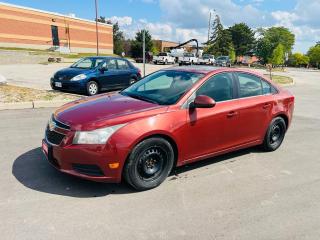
(169, 118)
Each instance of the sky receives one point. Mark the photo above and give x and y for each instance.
(181, 20)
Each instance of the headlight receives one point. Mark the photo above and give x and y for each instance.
(99, 136)
(79, 77)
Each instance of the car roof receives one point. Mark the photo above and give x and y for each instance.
(104, 57)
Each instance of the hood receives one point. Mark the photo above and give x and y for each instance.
(68, 73)
(105, 110)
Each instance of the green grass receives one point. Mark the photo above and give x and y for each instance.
(81, 55)
(280, 79)
(48, 52)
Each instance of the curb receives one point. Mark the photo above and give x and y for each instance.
(32, 105)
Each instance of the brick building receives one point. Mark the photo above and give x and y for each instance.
(24, 27)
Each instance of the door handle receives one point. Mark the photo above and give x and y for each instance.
(232, 114)
(266, 105)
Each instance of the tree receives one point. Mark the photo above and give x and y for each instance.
(298, 59)
(263, 49)
(270, 38)
(278, 55)
(314, 55)
(232, 54)
(137, 43)
(242, 38)
(118, 39)
(101, 19)
(220, 41)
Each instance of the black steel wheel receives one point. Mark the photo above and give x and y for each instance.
(275, 134)
(149, 163)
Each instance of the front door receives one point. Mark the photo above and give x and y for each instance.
(109, 78)
(211, 130)
(55, 36)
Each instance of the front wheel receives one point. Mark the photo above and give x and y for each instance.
(132, 81)
(92, 88)
(275, 134)
(149, 164)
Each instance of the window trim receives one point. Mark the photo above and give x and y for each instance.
(236, 75)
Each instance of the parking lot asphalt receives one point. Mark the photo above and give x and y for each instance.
(243, 195)
(38, 75)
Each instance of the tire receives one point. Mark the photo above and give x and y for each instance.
(275, 135)
(132, 81)
(149, 164)
(92, 88)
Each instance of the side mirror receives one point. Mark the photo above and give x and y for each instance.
(103, 69)
(203, 101)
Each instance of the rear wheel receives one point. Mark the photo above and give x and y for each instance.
(92, 88)
(149, 164)
(275, 134)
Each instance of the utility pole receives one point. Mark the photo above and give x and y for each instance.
(97, 33)
(144, 51)
(209, 25)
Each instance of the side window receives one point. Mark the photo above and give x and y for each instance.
(266, 88)
(219, 87)
(249, 85)
(122, 64)
(111, 64)
(98, 61)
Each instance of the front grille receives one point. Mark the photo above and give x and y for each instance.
(54, 137)
(88, 169)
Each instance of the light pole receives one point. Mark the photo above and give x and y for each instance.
(209, 25)
(144, 51)
(97, 33)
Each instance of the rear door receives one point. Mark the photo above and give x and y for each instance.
(124, 73)
(255, 103)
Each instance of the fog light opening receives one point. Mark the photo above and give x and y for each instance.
(113, 165)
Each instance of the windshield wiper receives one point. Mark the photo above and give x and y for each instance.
(140, 97)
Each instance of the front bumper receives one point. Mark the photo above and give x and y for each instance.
(72, 86)
(91, 162)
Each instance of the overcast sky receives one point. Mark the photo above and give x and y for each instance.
(180, 20)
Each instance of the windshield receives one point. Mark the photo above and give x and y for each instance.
(162, 54)
(188, 55)
(163, 87)
(87, 63)
(206, 56)
(222, 58)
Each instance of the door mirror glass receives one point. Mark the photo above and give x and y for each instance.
(203, 101)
